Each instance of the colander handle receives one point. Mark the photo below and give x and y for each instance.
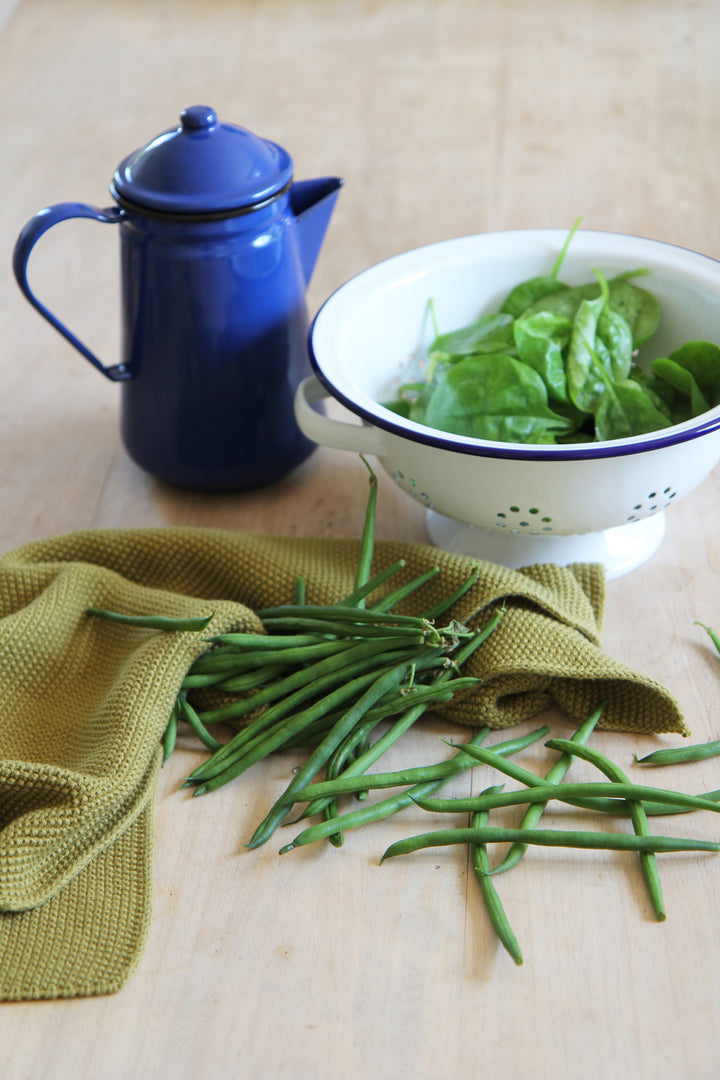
(360, 438)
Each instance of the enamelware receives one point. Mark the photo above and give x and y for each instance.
(217, 246)
(509, 503)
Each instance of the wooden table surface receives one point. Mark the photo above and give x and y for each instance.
(444, 118)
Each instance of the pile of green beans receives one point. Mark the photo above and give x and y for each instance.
(321, 677)
(324, 677)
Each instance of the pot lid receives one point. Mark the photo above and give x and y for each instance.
(203, 167)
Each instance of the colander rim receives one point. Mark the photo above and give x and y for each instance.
(386, 420)
(524, 452)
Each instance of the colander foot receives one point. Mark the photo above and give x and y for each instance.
(620, 549)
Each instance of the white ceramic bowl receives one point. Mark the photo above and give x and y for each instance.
(511, 503)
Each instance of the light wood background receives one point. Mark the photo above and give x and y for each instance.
(444, 118)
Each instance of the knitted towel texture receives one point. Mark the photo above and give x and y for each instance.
(84, 703)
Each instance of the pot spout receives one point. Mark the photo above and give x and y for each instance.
(312, 203)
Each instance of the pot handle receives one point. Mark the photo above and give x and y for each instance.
(31, 233)
(361, 438)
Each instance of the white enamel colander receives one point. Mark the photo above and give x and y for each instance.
(510, 503)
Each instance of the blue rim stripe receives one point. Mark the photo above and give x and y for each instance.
(477, 448)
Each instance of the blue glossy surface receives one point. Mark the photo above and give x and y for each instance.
(203, 166)
(214, 331)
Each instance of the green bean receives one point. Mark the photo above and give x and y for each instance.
(222, 660)
(444, 605)
(509, 768)
(264, 641)
(312, 733)
(153, 622)
(300, 584)
(198, 682)
(351, 616)
(677, 755)
(638, 816)
(343, 628)
(652, 809)
(711, 633)
(354, 745)
(555, 775)
(330, 810)
(548, 838)
(373, 583)
(507, 747)
(481, 866)
(403, 591)
(285, 710)
(359, 751)
(335, 764)
(250, 680)
(170, 736)
(477, 637)
(289, 657)
(426, 696)
(379, 811)
(321, 753)
(368, 535)
(567, 793)
(188, 714)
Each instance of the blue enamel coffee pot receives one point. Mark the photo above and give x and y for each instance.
(217, 247)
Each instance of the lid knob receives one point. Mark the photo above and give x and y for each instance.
(198, 117)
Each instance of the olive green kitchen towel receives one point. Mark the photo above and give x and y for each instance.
(84, 703)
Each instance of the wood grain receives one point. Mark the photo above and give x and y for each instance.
(445, 118)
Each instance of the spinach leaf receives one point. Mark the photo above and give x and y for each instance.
(682, 380)
(613, 330)
(585, 357)
(702, 360)
(626, 410)
(527, 292)
(410, 401)
(579, 436)
(489, 334)
(638, 307)
(567, 302)
(540, 340)
(400, 406)
(663, 396)
(494, 397)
